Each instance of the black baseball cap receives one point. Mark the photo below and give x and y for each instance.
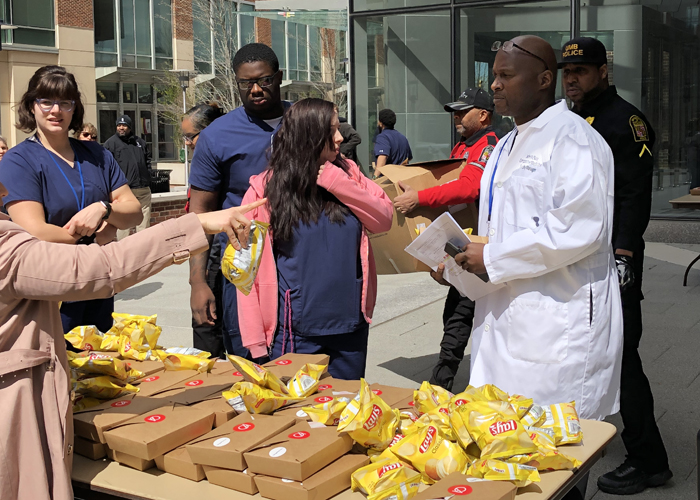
(583, 50)
(471, 98)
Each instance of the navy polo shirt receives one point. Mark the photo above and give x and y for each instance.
(394, 145)
(229, 152)
(29, 173)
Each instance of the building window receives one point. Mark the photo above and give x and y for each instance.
(163, 33)
(34, 20)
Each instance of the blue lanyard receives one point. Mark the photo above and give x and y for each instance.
(495, 167)
(81, 204)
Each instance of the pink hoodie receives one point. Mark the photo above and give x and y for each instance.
(257, 312)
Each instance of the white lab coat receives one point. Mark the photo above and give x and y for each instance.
(554, 332)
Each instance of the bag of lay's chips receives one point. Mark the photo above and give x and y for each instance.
(129, 351)
(495, 470)
(140, 329)
(407, 419)
(496, 429)
(369, 420)
(440, 418)
(534, 417)
(87, 338)
(430, 396)
(327, 413)
(306, 380)
(241, 266)
(258, 399)
(375, 455)
(386, 479)
(258, 375)
(105, 365)
(562, 418)
(189, 351)
(103, 387)
(492, 393)
(83, 403)
(520, 404)
(174, 361)
(110, 343)
(547, 456)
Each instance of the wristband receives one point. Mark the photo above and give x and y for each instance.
(108, 206)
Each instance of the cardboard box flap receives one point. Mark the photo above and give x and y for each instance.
(413, 174)
(345, 464)
(161, 381)
(245, 438)
(457, 485)
(302, 440)
(93, 422)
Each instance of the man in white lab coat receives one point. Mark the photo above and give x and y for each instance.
(554, 332)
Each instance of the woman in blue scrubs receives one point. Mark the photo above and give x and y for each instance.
(64, 190)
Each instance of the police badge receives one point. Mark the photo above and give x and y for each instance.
(639, 128)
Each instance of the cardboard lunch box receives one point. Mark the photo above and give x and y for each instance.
(457, 485)
(296, 409)
(286, 366)
(339, 387)
(148, 367)
(92, 423)
(90, 449)
(388, 247)
(231, 479)
(219, 406)
(224, 446)
(159, 431)
(323, 485)
(132, 461)
(299, 452)
(158, 382)
(391, 395)
(178, 463)
(198, 388)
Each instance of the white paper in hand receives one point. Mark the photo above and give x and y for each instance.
(429, 248)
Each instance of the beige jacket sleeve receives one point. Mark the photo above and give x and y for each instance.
(53, 271)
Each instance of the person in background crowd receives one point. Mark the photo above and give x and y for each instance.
(89, 132)
(64, 190)
(36, 431)
(134, 158)
(316, 285)
(472, 118)
(228, 153)
(3, 146)
(351, 139)
(627, 132)
(205, 336)
(390, 146)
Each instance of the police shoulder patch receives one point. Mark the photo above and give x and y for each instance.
(485, 154)
(639, 129)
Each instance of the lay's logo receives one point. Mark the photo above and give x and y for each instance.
(502, 427)
(373, 418)
(429, 437)
(387, 468)
(444, 411)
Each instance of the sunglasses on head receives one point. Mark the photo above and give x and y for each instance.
(509, 45)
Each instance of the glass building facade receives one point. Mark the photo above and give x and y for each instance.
(413, 56)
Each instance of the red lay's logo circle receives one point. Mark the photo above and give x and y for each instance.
(237, 374)
(325, 387)
(151, 379)
(119, 404)
(323, 399)
(244, 427)
(88, 347)
(460, 489)
(127, 346)
(377, 392)
(299, 435)
(461, 402)
(283, 362)
(194, 383)
(154, 418)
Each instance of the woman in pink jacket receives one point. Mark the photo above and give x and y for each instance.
(317, 284)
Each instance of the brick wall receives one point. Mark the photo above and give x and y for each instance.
(164, 210)
(182, 19)
(74, 13)
(263, 31)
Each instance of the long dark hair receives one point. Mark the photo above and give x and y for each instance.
(202, 114)
(291, 191)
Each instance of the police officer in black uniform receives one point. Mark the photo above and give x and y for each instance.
(627, 132)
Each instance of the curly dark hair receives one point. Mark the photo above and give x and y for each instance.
(292, 192)
(50, 82)
(254, 52)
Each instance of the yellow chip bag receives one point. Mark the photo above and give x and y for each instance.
(440, 418)
(189, 351)
(327, 413)
(496, 429)
(430, 396)
(129, 351)
(241, 266)
(369, 420)
(384, 479)
(306, 380)
(547, 456)
(495, 470)
(258, 399)
(492, 393)
(258, 375)
(562, 418)
(140, 329)
(83, 403)
(534, 417)
(85, 338)
(110, 343)
(520, 404)
(174, 362)
(375, 455)
(104, 387)
(101, 364)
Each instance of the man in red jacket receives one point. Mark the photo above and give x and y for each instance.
(472, 116)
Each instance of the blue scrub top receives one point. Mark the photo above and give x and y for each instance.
(229, 152)
(394, 145)
(29, 173)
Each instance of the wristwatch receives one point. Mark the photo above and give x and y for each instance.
(108, 206)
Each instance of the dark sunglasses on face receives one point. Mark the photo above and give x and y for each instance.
(508, 47)
(88, 136)
(47, 105)
(263, 82)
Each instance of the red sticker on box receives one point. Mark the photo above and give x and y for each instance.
(377, 392)
(284, 362)
(460, 489)
(194, 383)
(237, 374)
(323, 399)
(151, 379)
(299, 435)
(119, 404)
(247, 426)
(325, 387)
(411, 403)
(154, 418)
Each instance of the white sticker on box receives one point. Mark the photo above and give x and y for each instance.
(302, 414)
(316, 425)
(278, 452)
(221, 442)
(287, 480)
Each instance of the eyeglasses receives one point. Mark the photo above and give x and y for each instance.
(508, 47)
(189, 138)
(87, 135)
(264, 82)
(47, 105)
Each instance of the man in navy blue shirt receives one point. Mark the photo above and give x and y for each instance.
(390, 146)
(229, 151)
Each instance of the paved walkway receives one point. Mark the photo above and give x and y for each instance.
(407, 329)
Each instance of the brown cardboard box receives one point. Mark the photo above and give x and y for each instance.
(222, 366)
(224, 446)
(91, 423)
(285, 367)
(159, 431)
(90, 449)
(148, 367)
(339, 387)
(133, 462)
(178, 462)
(160, 381)
(388, 247)
(326, 483)
(391, 395)
(295, 409)
(232, 479)
(220, 407)
(299, 452)
(457, 485)
(198, 388)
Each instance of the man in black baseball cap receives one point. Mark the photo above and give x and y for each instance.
(471, 98)
(584, 68)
